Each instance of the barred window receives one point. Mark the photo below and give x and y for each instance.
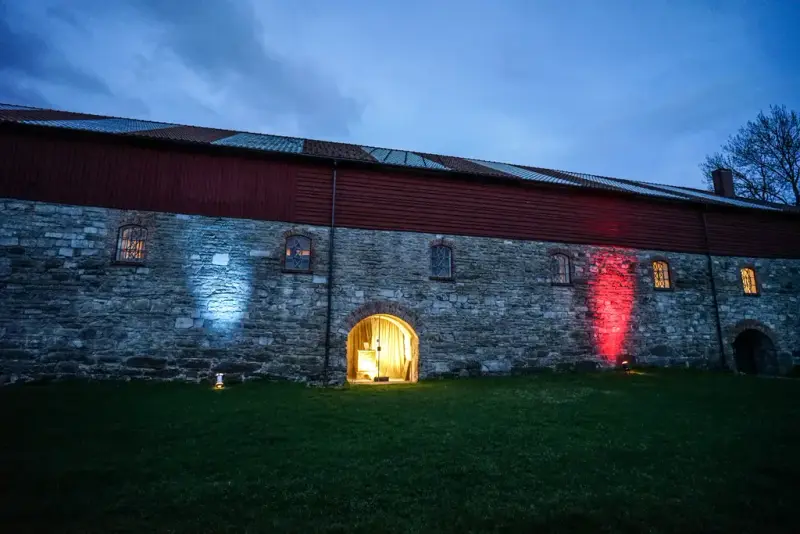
(441, 261)
(749, 281)
(661, 275)
(561, 269)
(131, 244)
(298, 253)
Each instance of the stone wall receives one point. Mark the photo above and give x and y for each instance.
(502, 313)
(212, 296)
(775, 311)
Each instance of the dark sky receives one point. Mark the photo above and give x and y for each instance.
(632, 89)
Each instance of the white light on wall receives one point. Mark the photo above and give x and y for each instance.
(220, 284)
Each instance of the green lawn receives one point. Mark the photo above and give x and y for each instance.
(659, 452)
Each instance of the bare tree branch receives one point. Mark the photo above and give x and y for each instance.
(764, 156)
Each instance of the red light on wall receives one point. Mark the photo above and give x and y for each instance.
(611, 300)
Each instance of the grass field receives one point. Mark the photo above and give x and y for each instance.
(659, 452)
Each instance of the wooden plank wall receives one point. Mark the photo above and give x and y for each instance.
(764, 235)
(445, 205)
(116, 175)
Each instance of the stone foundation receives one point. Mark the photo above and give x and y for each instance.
(212, 297)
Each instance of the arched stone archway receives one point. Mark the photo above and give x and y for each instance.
(754, 353)
(401, 329)
(382, 307)
(754, 348)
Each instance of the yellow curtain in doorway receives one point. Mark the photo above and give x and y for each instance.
(394, 342)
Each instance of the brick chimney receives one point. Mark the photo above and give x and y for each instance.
(723, 182)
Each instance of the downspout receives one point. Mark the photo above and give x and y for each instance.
(331, 235)
(714, 290)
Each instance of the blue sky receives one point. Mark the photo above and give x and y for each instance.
(634, 89)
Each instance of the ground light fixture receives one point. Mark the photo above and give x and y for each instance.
(219, 384)
(625, 365)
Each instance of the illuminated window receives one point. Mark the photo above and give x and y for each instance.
(749, 281)
(441, 262)
(560, 266)
(298, 253)
(131, 244)
(661, 275)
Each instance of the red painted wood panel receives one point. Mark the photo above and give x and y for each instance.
(753, 234)
(85, 171)
(441, 205)
(313, 199)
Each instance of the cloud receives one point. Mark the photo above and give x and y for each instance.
(222, 43)
(29, 59)
(182, 60)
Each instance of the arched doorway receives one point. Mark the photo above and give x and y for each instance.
(755, 353)
(382, 348)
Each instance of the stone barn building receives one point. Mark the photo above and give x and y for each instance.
(140, 249)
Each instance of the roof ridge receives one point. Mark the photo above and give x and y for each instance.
(34, 108)
(613, 178)
(560, 174)
(172, 124)
(758, 201)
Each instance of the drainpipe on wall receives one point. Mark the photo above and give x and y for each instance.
(714, 291)
(331, 235)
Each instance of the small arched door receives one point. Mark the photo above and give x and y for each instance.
(383, 348)
(755, 353)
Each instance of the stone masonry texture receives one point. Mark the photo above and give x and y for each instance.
(212, 296)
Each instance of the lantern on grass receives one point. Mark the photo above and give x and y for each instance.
(219, 384)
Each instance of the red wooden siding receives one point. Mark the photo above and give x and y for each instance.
(313, 201)
(754, 234)
(442, 205)
(91, 172)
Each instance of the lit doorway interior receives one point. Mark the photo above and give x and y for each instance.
(382, 348)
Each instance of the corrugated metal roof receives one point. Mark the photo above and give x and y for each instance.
(464, 165)
(192, 134)
(12, 106)
(117, 126)
(328, 149)
(623, 185)
(402, 157)
(273, 143)
(48, 115)
(525, 174)
(716, 198)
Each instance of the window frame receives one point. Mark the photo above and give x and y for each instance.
(670, 275)
(756, 280)
(441, 244)
(555, 268)
(284, 256)
(118, 247)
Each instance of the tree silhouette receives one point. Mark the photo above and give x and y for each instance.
(764, 156)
